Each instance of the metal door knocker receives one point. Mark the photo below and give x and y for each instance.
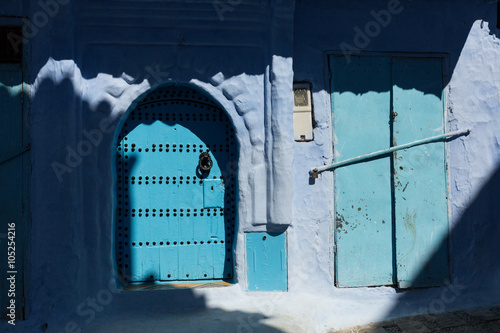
(205, 163)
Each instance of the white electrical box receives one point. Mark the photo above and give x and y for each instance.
(302, 112)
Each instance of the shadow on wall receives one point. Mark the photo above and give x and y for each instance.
(72, 138)
(364, 27)
(79, 219)
(167, 47)
(72, 250)
(79, 291)
(475, 249)
(421, 27)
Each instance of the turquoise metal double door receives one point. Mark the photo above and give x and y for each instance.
(391, 222)
(176, 219)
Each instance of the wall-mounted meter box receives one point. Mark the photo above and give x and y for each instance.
(302, 112)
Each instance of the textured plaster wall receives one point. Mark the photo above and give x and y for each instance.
(474, 161)
(90, 62)
(465, 34)
(94, 59)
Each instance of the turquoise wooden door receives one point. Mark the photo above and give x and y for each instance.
(362, 102)
(175, 219)
(14, 177)
(390, 212)
(420, 193)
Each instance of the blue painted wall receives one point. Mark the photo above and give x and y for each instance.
(91, 61)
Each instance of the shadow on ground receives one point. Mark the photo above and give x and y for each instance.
(175, 311)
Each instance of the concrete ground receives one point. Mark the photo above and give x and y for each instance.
(481, 320)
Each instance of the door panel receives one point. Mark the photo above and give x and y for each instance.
(378, 102)
(165, 231)
(419, 174)
(363, 235)
(266, 255)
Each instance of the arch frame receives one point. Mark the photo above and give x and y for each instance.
(242, 138)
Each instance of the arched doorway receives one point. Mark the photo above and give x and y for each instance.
(176, 189)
